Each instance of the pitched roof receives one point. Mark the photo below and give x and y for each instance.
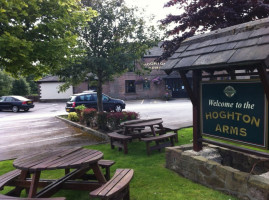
(49, 79)
(155, 51)
(243, 44)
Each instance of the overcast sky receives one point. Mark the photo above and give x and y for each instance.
(153, 7)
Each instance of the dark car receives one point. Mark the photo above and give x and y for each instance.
(15, 103)
(90, 101)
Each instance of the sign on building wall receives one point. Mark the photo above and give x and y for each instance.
(154, 65)
(235, 111)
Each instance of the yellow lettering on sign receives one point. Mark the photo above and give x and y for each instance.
(234, 116)
(231, 130)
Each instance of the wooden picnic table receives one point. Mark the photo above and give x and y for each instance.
(142, 123)
(79, 159)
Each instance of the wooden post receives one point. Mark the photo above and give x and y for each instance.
(197, 145)
(264, 79)
(187, 86)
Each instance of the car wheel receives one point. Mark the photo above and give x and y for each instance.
(26, 109)
(15, 109)
(118, 108)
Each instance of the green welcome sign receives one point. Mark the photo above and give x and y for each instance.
(235, 111)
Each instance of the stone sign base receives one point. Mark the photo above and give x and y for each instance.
(235, 173)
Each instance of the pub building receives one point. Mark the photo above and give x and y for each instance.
(155, 83)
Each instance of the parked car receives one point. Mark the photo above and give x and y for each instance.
(15, 103)
(89, 99)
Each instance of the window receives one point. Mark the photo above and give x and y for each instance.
(146, 85)
(88, 97)
(130, 86)
(9, 99)
(105, 98)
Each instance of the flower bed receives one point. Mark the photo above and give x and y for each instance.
(106, 121)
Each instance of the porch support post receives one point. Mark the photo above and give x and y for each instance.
(264, 79)
(187, 86)
(197, 135)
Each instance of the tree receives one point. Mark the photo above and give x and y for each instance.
(112, 42)
(39, 36)
(200, 16)
(33, 85)
(5, 83)
(20, 87)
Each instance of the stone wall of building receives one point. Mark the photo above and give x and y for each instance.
(217, 176)
(117, 87)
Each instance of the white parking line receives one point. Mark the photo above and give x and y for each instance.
(13, 145)
(142, 101)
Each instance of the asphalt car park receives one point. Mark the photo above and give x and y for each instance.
(39, 130)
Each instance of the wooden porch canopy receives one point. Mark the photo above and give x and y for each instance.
(241, 50)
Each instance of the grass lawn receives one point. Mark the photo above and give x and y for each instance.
(151, 181)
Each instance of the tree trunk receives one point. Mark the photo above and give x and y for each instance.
(99, 95)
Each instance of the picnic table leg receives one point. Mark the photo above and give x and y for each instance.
(34, 184)
(107, 175)
(67, 171)
(148, 148)
(172, 141)
(162, 129)
(127, 196)
(17, 191)
(98, 173)
(176, 136)
(125, 146)
(111, 143)
(157, 144)
(152, 130)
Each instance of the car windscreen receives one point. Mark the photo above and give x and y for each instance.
(72, 98)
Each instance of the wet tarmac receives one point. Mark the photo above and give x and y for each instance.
(22, 136)
(39, 130)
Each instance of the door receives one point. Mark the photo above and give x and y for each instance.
(6, 102)
(177, 88)
(107, 104)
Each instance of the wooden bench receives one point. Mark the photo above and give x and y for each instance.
(117, 187)
(8, 177)
(175, 129)
(160, 140)
(119, 140)
(4, 197)
(105, 164)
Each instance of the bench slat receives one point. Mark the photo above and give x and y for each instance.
(115, 181)
(159, 137)
(106, 163)
(119, 181)
(123, 182)
(5, 178)
(119, 136)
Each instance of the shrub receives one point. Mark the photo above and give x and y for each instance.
(89, 115)
(114, 119)
(79, 111)
(102, 120)
(73, 117)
